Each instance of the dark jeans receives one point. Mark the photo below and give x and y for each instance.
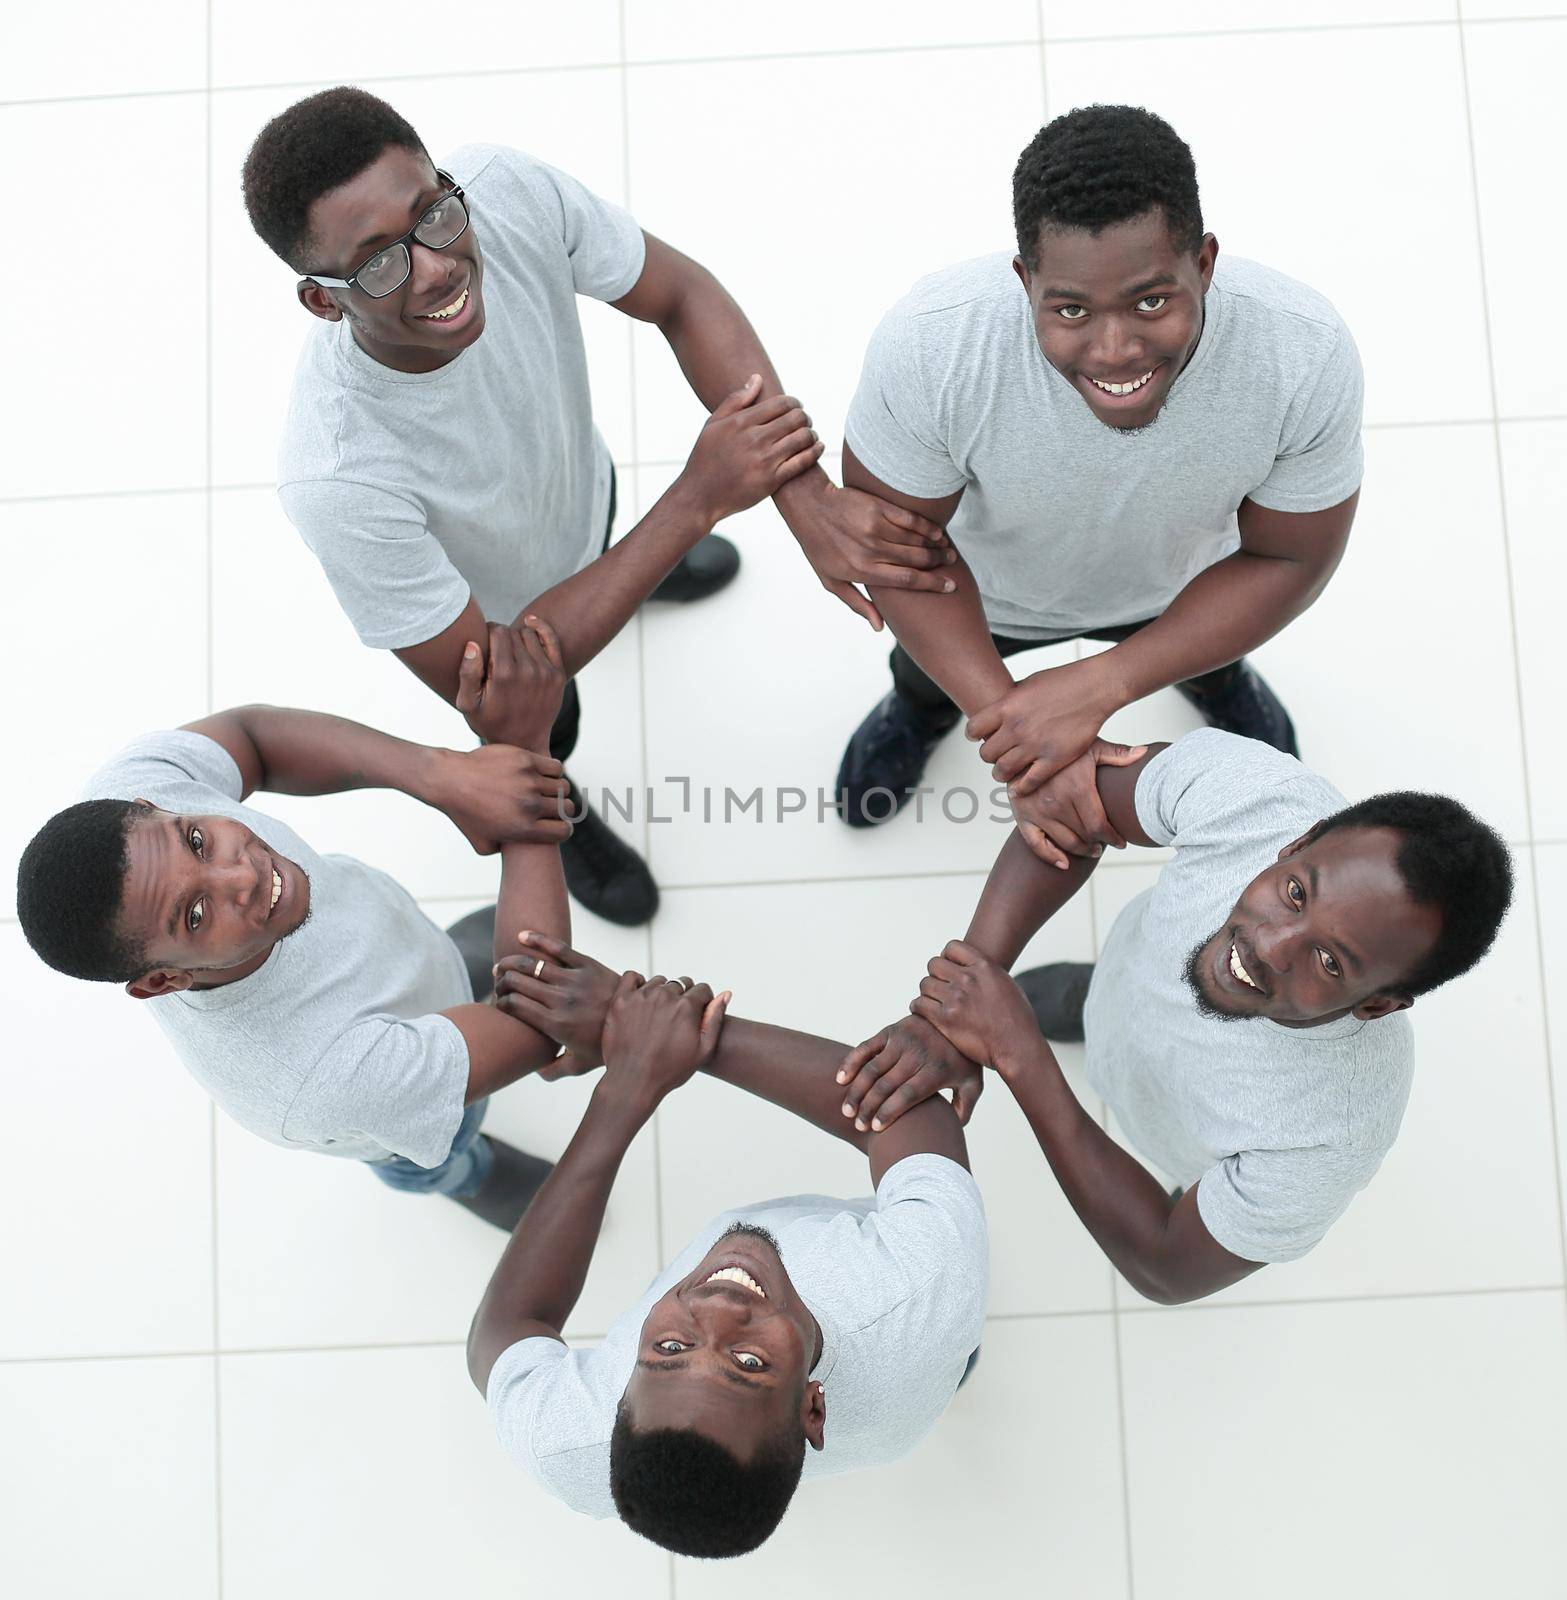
(915, 685)
(563, 736)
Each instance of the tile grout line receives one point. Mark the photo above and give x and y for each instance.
(1512, 618)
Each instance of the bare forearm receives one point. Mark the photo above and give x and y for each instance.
(312, 752)
(541, 1272)
(1021, 894)
(589, 608)
(1225, 611)
(532, 896)
(948, 635)
(1115, 1197)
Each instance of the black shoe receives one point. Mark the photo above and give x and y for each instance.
(1056, 994)
(474, 936)
(886, 759)
(1244, 704)
(603, 872)
(512, 1181)
(702, 571)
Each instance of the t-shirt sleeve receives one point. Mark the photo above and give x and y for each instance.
(1274, 1205)
(518, 1397)
(1209, 775)
(1320, 460)
(398, 1081)
(891, 426)
(603, 241)
(930, 1214)
(390, 574)
(163, 767)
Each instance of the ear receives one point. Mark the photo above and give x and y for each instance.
(1382, 1005)
(161, 980)
(318, 301)
(1020, 267)
(1295, 846)
(813, 1415)
(1207, 254)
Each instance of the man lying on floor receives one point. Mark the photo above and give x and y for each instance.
(706, 1402)
(1245, 1021)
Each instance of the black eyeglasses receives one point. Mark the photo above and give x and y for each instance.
(387, 270)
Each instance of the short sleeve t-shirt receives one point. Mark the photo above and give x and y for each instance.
(896, 1283)
(335, 1042)
(1283, 1126)
(486, 476)
(1066, 523)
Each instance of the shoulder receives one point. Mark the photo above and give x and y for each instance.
(171, 763)
(481, 165)
(933, 1206)
(977, 291)
(1270, 304)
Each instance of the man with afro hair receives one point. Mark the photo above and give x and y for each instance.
(1129, 439)
(439, 455)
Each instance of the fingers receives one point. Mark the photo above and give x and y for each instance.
(1093, 816)
(778, 419)
(1043, 845)
(912, 552)
(860, 1054)
(962, 954)
(556, 949)
(541, 637)
(740, 398)
(1118, 755)
(561, 1067)
(712, 1020)
(900, 517)
(984, 722)
(858, 603)
(886, 1061)
(890, 1100)
(965, 1096)
(503, 651)
(470, 678)
(1008, 761)
(796, 464)
(891, 576)
(1033, 774)
(791, 442)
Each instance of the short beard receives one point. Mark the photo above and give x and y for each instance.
(751, 1230)
(1205, 1006)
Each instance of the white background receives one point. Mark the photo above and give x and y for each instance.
(226, 1369)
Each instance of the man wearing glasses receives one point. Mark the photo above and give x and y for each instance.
(444, 479)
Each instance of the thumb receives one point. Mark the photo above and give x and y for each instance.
(713, 1021)
(745, 395)
(858, 603)
(470, 678)
(965, 1096)
(1118, 755)
(561, 1067)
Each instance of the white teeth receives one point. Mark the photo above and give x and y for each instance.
(1123, 388)
(737, 1275)
(446, 312)
(1240, 971)
(277, 888)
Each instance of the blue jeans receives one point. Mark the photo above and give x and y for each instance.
(461, 1173)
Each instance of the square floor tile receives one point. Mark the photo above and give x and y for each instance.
(843, 960)
(106, 1190)
(571, 120)
(1514, 72)
(1017, 1490)
(84, 48)
(95, 582)
(304, 1240)
(107, 1479)
(701, 28)
(1401, 675)
(284, 42)
(354, 1472)
(871, 144)
(1132, 17)
(114, 395)
(1290, 185)
(1536, 497)
(1413, 1444)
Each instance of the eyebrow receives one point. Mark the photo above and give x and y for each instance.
(1349, 955)
(680, 1363)
(1135, 292)
(414, 211)
(177, 824)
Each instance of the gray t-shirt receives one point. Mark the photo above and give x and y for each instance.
(1068, 524)
(486, 476)
(897, 1284)
(334, 1043)
(1282, 1125)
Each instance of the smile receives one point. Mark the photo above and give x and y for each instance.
(446, 313)
(277, 890)
(1124, 388)
(1241, 973)
(736, 1275)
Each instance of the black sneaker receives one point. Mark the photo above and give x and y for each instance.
(603, 872)
(1056, 994)
(513, 1180)
(1245, 704)
(886, 759)
(704, 570)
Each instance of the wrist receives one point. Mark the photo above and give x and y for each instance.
(1112, 683)
(807, 488)
(1015, 1060)
(432, 777)
(621, 1105)
(690, 506)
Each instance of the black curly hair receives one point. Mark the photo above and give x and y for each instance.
(1099, 165)
(1449, 858)
(69, 886)
(689, 1494)
(315, 146)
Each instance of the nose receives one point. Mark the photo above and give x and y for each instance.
(431, 269)
(1119, 345)
(720, 1311)
(239, 879)
(1275, 943)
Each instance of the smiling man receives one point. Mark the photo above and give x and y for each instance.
(1246, 1019)
(440, 457)
(1130, 438)
(805, 1336)
(308, 994)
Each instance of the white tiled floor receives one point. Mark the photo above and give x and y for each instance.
(225, 1370)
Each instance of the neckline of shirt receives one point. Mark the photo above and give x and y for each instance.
(349, 352)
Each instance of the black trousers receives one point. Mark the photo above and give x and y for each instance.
(917, 686)
(563, 735)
